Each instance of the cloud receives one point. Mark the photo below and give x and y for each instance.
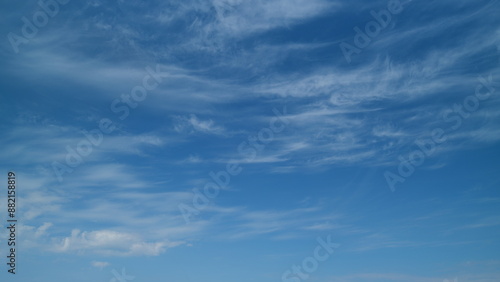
(109, 242)
(42, 229)
(99, 264)
(193, 124)
(280, 224)
(110, 175)
(239, 18)
(363, 115)
(51, 141)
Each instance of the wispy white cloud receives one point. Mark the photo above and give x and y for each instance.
(193, 124)
(99, 264)
(238, 17)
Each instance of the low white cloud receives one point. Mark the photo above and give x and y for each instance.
(109, 242)
(99, 264)
(194, 124)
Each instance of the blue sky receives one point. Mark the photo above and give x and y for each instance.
(228, 140)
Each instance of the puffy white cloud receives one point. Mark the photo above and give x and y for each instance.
(110, 242)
